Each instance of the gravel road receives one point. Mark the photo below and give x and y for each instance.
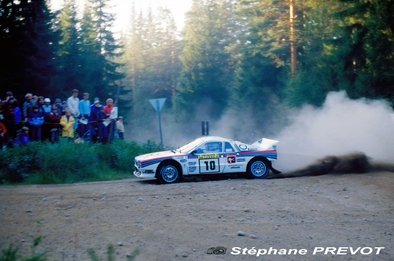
(183, 221)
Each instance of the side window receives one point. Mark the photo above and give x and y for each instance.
(228, 147)
(210, 147)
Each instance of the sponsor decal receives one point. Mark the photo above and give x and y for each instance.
(231, 159)
(235, 167)
(243, 147)
(209, 166)
(241, 160)
(209, 156)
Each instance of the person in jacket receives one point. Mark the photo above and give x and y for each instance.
(28, 105)
(22, 138)
(3, 136)
(67, 122)
(35, 121)
(111, 114)
(96, 118)
(53, 120)
(84, 110)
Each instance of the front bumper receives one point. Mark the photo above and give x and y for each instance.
(142, 175)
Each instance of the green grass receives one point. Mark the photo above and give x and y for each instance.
(11, 253)
(67, 162)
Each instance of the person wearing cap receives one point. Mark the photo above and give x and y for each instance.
(46, 110)
(47, 107)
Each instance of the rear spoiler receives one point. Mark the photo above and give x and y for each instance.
(265, 144)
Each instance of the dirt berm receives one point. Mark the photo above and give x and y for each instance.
(184, 221)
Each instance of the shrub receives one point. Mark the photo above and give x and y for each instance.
(67, 162)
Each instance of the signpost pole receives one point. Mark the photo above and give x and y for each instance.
(158, 104)
(159, 118)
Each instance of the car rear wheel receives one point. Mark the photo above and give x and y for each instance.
(258, 168)
(168, 173)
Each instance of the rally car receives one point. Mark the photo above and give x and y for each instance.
(209, 155)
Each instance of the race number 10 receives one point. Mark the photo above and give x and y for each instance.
(209, 166)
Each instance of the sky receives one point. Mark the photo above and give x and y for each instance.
(122, 9)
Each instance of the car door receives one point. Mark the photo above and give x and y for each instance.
(231, 160)
(210, 157)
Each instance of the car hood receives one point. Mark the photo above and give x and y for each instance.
(158, 155)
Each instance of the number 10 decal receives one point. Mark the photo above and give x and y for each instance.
(209, 166)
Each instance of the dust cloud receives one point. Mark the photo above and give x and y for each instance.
(341, 126)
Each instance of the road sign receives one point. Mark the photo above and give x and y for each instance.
(158, 103)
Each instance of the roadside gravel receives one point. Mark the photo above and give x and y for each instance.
(182, 221)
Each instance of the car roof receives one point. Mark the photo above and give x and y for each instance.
(214, 138)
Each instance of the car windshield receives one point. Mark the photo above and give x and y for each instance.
(190, 146)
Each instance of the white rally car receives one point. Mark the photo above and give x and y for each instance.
(209, 155)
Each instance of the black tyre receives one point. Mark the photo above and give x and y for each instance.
(258, 168)
(168, 173)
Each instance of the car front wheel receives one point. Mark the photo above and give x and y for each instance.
(258, 168)
(168, 173)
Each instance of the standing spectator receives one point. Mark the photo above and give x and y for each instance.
(35, 100)
(36, 120)
(59, 106)
(84, 110)
(95, 121)
(9, 95)
(53, 121)
(47, 107)
(73, 104)
(17, 114)
(40, 103)
(3, 136)
(12, 118)
(28, 105)
(67, 122)
(120, 128)
(111, 115)
(22, 138)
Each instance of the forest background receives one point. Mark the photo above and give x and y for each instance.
(240, 64)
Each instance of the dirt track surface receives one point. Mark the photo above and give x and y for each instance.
(182, 221)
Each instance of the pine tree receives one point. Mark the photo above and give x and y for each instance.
(206, 63)
(68, 57)
(151, 60)
(26, 46)
(106, 68)
(264, 55)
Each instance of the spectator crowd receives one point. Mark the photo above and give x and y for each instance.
(41, 119)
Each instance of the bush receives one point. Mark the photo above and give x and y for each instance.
(66, 162)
